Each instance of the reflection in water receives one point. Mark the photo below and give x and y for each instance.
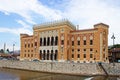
(11, 74)
(104, 78)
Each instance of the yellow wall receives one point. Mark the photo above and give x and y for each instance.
(100, 43)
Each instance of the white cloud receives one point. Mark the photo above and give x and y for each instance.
(26, 9)
(23, 23)
(86, 13)
(16, 31)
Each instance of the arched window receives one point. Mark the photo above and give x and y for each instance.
(51, 57)
(44, 55)
(44, 41)
(40, 51)
(52, 40)
(47, 54)
(48, 41)
(56, 40)
(40, 41)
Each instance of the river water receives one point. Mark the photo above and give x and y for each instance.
(13, 74)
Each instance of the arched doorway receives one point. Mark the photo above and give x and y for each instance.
(47, 54)
(44, 55)
(56, 53)
(51, 57)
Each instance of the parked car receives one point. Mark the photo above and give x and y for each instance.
(35, 60)
(1, 58)
(4, 59)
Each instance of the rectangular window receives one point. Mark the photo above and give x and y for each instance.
(28, 45)
(91, 55)
(78, 55)
(31, 55)
(84, 55)
(32, 45)
(62, 42)
(72, 55)
(84, 50)
(91, 42)
(78, 42)
(72, 50)
(84, 42)
(72, 43)
(25, 45)
(91, 49)
(28, 55)
(35, 43)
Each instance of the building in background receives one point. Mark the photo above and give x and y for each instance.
(114, 55)
(61, 41)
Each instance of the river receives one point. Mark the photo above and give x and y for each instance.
(13, 74)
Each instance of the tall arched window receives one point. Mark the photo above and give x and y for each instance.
(44, 41)
(56, 40)
(47, 54)
(51, 57)
(56, 53)
(52, 40)
(44, 55)
(48, 41)
(40, 41)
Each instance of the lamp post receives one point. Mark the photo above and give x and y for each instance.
(13, 48)
(113, 57)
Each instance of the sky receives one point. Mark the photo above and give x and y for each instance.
(19, 16)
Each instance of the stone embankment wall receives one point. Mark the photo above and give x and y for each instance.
(112, 69)
(60, 67)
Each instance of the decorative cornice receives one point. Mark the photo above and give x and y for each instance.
(84, 30)
(54, 24)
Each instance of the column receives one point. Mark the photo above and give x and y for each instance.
(52, 57)
(49, 56)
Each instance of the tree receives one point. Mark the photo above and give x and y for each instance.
(8, 50)
(2, 51)
(115, 46)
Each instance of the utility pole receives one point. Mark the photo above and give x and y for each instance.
(113, 55)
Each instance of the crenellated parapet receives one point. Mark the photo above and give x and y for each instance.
(54, 24)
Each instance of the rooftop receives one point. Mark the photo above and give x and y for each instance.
(101, 24)
(54, 24)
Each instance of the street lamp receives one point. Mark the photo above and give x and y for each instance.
(13, 48)
(113, 37)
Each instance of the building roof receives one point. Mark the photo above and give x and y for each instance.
(54, 24)
(4, 55)
(26, 36)
(115, 50)
(101, 24)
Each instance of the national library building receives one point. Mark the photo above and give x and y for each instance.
(61, 41)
